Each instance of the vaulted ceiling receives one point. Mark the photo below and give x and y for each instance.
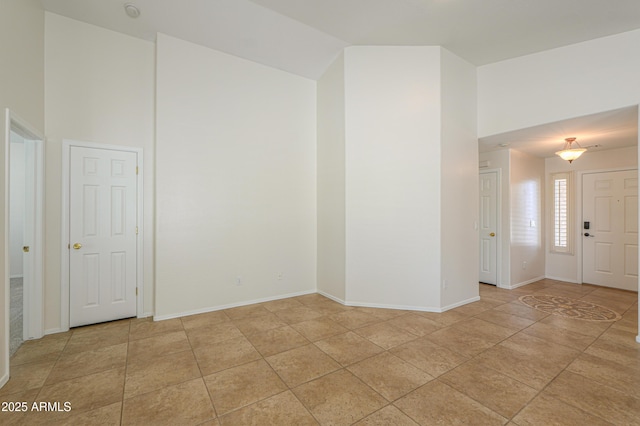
(304, 36)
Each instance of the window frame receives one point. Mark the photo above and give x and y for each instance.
(569, 224)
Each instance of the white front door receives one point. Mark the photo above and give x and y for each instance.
(102, 235)
(488, 227)
(610, 244)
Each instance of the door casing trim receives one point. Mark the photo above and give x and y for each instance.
(67, 144)
(34, 315)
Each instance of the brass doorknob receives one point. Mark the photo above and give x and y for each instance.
(493, 234)
(77, 246)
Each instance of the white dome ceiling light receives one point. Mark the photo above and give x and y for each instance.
(568, 152)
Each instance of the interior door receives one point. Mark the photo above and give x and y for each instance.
(488, 227)
(102, 235)
(610, 229)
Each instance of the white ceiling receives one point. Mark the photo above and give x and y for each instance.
(304, 36)
(239, 27)
(605, 130)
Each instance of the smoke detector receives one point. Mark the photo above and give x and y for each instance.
(131, 10)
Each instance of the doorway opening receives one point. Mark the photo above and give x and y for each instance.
(18, 245)
(24, 256)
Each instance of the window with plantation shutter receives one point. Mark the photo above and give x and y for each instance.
(561, 212)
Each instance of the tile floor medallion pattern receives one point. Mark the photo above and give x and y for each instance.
(570, 308)
(308, 360)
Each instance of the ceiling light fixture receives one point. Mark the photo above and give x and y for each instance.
(568, 152)
(131, 10)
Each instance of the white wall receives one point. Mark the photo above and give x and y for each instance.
(236, 180)
(566, 267)
(22, 60)
(397, 152)
(527, 247)
(99, 88)
(522, 215)
(501, 160)
(393, 180)
(459, 180)
(572, 81)
(331, 181)
(16, 205)
(22, 91)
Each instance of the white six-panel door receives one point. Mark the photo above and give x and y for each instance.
(610, 245)
(102, 235)
(488, 227)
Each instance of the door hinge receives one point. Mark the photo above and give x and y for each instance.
(136, 291)
(69, 246)
(136, 230)
(136, 169)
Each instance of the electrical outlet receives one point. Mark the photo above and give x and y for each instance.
(280, 276)
(444, 284)
(524, 264)
(239, 281)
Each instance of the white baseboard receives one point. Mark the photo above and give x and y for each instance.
(458, 304)
(400, 307)
(4, 379)
(329, 296)
(563, 280)
(54, 331)
(533, 280)
(231, 305)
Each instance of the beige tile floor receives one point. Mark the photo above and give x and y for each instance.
(309, 360)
